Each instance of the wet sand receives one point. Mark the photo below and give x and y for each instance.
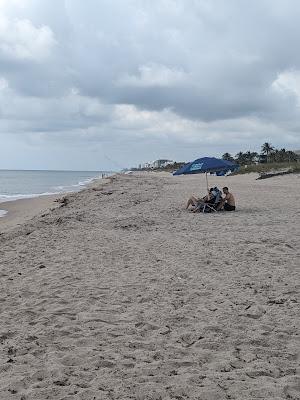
(20, 211)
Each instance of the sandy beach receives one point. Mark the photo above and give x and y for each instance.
(117, 292)
(22, 210)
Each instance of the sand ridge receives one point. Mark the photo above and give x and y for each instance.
(122, 294)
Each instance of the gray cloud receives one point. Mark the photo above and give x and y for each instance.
(166, 78)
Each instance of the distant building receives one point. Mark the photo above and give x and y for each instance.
(147, 165)
(162, 163)
(156, 164)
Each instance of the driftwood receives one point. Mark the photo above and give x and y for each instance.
(265, 175)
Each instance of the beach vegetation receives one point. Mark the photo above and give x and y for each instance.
(268, 160)
(227, 157)
(269, 167)
(267, 149)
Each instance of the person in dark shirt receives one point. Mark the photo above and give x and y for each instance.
(196, 201)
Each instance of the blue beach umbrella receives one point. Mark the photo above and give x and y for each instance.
(205, 165)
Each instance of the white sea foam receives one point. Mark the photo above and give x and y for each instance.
(5, 197)
(2, 213)
(87, 181)
(27, 178)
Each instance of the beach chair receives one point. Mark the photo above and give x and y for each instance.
(213, 204)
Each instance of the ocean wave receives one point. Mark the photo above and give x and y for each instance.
(80, 184)
(2, 213)
(90, 180)
(12, 197)
(59, 188)
(55, 190)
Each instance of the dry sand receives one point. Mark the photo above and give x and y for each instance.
(122, 294)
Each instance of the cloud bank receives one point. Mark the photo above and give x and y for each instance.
(105, 84)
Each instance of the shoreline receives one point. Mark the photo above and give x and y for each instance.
(19, 211)
(22, 210)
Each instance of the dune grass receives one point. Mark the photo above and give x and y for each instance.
(269, 167)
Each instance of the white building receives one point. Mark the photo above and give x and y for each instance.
(162, 163)
(147, 165)
(156, 164)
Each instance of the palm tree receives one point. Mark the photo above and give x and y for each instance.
(227, 157)
(275, 156)
(241, 158)
(251, 156)
(291, 156)
(267, 149)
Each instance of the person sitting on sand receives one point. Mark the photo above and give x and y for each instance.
(228, 202)
(196, 202)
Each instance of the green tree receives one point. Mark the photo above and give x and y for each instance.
(291, 156)
(251, 156)
(267, 149)
(241, 158)
(227, 157)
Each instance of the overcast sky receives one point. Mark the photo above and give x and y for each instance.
(105, 84)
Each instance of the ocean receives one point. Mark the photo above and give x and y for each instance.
(25, 184)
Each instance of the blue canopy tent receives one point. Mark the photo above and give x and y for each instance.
(205, 165)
